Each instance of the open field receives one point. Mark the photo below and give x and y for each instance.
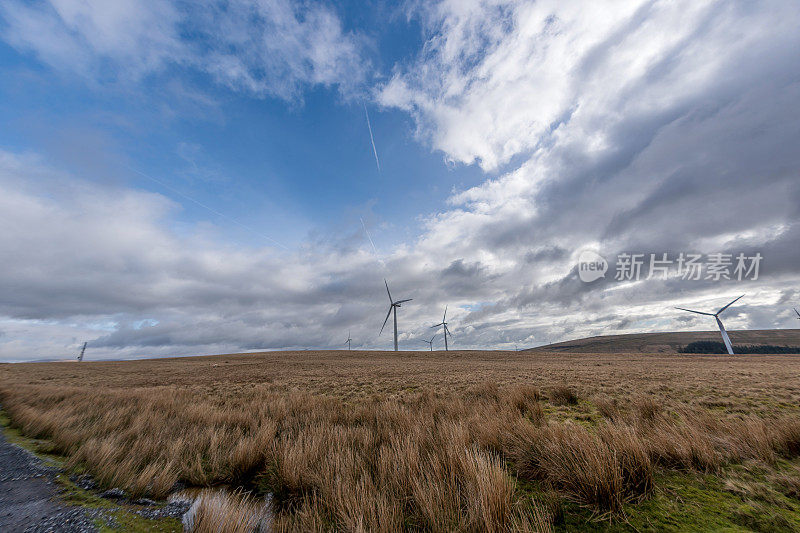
(670, 342)
(469, 441)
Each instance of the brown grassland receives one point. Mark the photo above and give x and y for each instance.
(455, 441)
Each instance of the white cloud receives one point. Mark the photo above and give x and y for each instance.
(501, 79)
(267, 47)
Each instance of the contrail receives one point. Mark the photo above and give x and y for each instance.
(374, 250)
(372, 139)
(248, 228)
(368, 237)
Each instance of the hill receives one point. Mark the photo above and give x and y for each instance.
(670, 342)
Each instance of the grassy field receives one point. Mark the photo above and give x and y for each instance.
(467, 441)
(670, 342)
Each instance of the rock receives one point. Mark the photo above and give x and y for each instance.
(85, 482)
(145, 501)
(171, 510)
(113, 494)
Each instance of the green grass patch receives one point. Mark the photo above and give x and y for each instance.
(739, 499)
(73, 495)
(120, 517)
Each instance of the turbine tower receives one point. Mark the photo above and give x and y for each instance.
(430, 342)
(393, 305)
(83, 350)
(443, 323)
(724, 333)
(347, 342)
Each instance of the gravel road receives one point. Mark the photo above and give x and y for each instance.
(29, 496)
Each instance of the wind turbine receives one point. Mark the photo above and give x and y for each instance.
(83, 350)
(430, 342)
(393, 305)
(444, 324)
(719, 322)
(347, 342)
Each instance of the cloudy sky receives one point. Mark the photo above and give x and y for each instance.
(190, 178)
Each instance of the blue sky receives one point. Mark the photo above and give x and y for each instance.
(191, 178)
(284, 168)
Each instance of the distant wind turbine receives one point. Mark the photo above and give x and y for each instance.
(430, 342)
(393, 305)
(83, 350)
(347, 342)
(719, 322)
(443, 323)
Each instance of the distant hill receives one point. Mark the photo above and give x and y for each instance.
(670, 342)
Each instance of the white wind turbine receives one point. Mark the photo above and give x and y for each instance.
(724, 333)
(443, 323)
(393, 305)
(347, 342)
(430, 342)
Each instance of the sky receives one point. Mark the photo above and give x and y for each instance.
(192, 178)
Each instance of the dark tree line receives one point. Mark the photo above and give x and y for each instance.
(716, 347)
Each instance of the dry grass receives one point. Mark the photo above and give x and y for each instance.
(215, 511)
(395, 442)
(563, 395)
(602, 468)
(608, 408)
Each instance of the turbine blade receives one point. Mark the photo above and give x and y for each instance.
(437, 325)
(444, 318)
(387, 319)
(730, 304)
(432, 338)
(387, 290)
(798, 313)
(447, 330)
(698, 312)
(403, 301)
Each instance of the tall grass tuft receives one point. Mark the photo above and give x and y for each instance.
(563, 395)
